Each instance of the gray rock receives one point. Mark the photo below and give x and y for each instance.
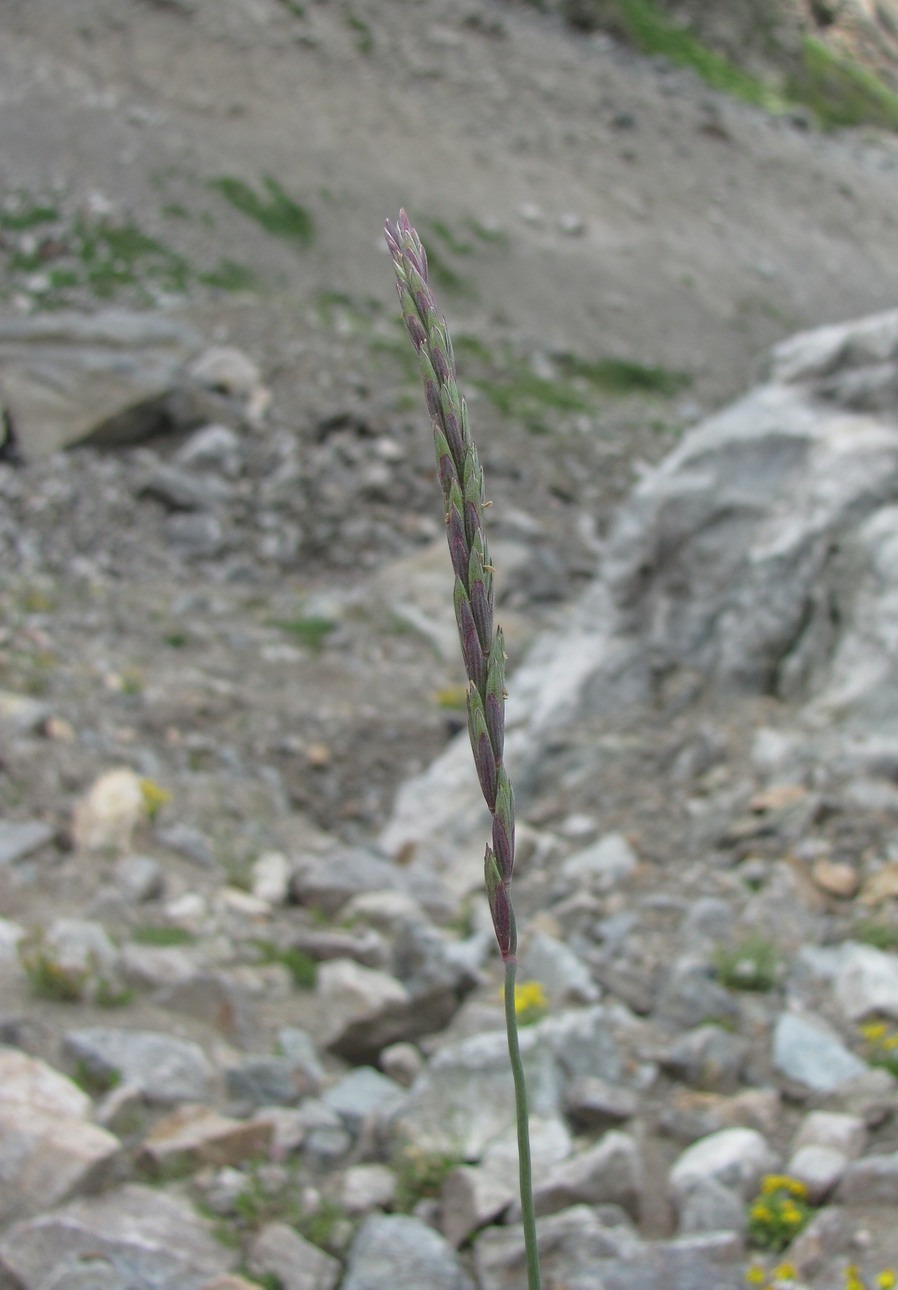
(18, 840)
(403, 1063)
(565, 978)
(711, 1207)
(595, 1104)
(603, 865)
(363, 1010)
(179, 491)
(167, 1070)
(393, 1252)
(109, 378)
(268, 1081)
(215, 446)
(299, 1048)
(142, 1233)
(325, 1139)
(20, 714)
(690, 996)
(196, 535)
(736, 1158)
(871, 1181)
(807, 1052)
(139, 878)
(708, 1058)
(189, 842)
(328, 882)
(299, 1265)
(215, 997)
(608, 1173)
(574, 1244)
(364, 1096)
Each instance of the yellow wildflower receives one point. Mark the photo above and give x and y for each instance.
(887, 1279)
(873, 1031)
(785, 1272)
(530, 1000)
(154, 797)
(756, 1276)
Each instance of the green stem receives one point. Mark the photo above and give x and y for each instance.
(520, 1102)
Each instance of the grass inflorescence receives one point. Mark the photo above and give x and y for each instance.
(460, 477)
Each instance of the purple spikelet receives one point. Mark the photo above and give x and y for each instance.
(461, 483)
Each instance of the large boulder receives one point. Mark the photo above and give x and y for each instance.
(757, 558)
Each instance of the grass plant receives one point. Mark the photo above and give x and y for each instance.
(482, 645)
(274, 209)
(751, 964)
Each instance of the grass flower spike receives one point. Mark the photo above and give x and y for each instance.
(482, 645)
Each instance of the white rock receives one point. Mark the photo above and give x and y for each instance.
(271, 878)
(107, 815)
(832, 1129)
(821, 1169)
(602, 865)
(736, 1158)
(867, 983)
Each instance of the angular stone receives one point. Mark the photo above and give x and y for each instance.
(821, 1169)
(20, 714)
(595, 1104)
(603, 865)
(193, 1136)
(690, 996)
(807, 1052)
(299, 1265)
(708, 1058)
(364, 1010)
(151, 1237)
(215, 997)
(365, 1097)
(736, 1158)
(565, 978)
(140, 878)
(49, 1149)
(574, 1245)
(608, 1173)
(871, 1181)
(167, 1070)
(472, 1196)
(711, 1207)
(19, 840)
(328, 882)
(393, 1252)
(837, 1131)
(364, 1188)
(113, 375)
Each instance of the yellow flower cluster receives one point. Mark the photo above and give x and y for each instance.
(778, 1212)
(530, 1002)
(785, 1273)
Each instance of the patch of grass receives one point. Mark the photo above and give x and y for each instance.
(644, 25)
(93, 1082)
(309, 630)
(839, 92)
(108, 995)
(882, 936)
(49, 979)
(115, 255)
(23, 212)
(274, 209)
(621, 376)
(228, 275)
(301, 966)
(364, 35)
(420, 1175)
(162, 936)
(752, 964)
